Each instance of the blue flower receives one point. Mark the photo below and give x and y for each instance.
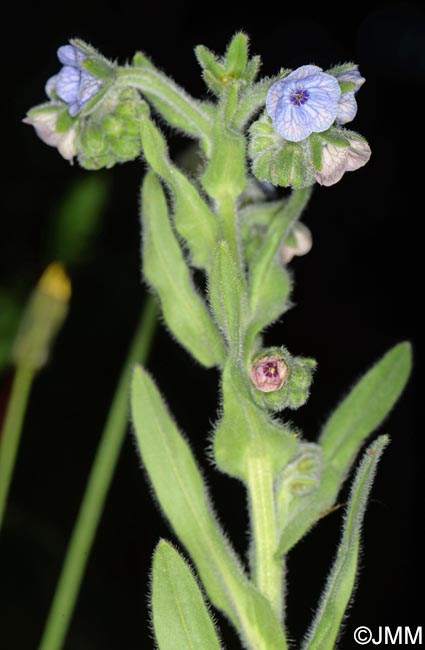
(73, 85)
(304, 102)
(347, 106)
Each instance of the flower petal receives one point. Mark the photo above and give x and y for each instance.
(354, 76)
(89, 87)
(68, 83)
(358, 155)
(70, 55)
(294, 123)
(67, 144)
(50, 87)
(347, 108)
(302, 72)
(334, 161)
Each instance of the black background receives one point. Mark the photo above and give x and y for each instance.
(357, 293)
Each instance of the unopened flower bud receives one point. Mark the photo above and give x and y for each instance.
(299, 244)
(269, 373)
(282, 380)
(45, 121)
(42, 319)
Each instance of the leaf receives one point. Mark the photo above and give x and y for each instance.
(170, 100)
(166, 271)
(359, 414)
(246, 430)
(269, 284)
(325, 628)
(182, 496)
(365, 407)
(193, 219)
(180, 616)
(225, 174)
(237, 55)
(227, 297)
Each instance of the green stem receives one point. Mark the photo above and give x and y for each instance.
(177, 106)
(267, 569)
(12, 429)
(227, 211)
(96, 491)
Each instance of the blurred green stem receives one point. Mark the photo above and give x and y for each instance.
(97, 488)
(12, 429)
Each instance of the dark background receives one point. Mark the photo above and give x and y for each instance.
(357, 293)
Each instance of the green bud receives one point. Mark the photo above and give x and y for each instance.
(94, 164)
(300, 477)
(125, 148)
(113, 126)
(93, 142)
(237, 56)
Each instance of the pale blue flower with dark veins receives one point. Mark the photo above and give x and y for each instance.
(73, 85)
(347, 106)
(304, 102)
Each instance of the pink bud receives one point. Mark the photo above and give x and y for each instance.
(269, 373)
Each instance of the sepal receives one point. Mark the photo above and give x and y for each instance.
(274, 159)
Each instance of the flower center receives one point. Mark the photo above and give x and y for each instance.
(299, 96)
(270, 369)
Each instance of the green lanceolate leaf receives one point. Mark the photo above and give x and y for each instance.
(325, 628)
(246, 430)
(180, 616)
(252, 101)
(237, 56)
(182, 496)
(365, 407)
(225, 174)
(166, 271)
(359, 414)
(228, 297)
(269, 283)
(193, 219)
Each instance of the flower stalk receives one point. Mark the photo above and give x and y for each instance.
(99, 481)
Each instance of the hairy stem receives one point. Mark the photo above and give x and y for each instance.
(227, 211)
(176, 104)
(267, 569)
(96, 490)
(11, 433)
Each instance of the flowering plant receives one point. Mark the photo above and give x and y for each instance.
(239, 236)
